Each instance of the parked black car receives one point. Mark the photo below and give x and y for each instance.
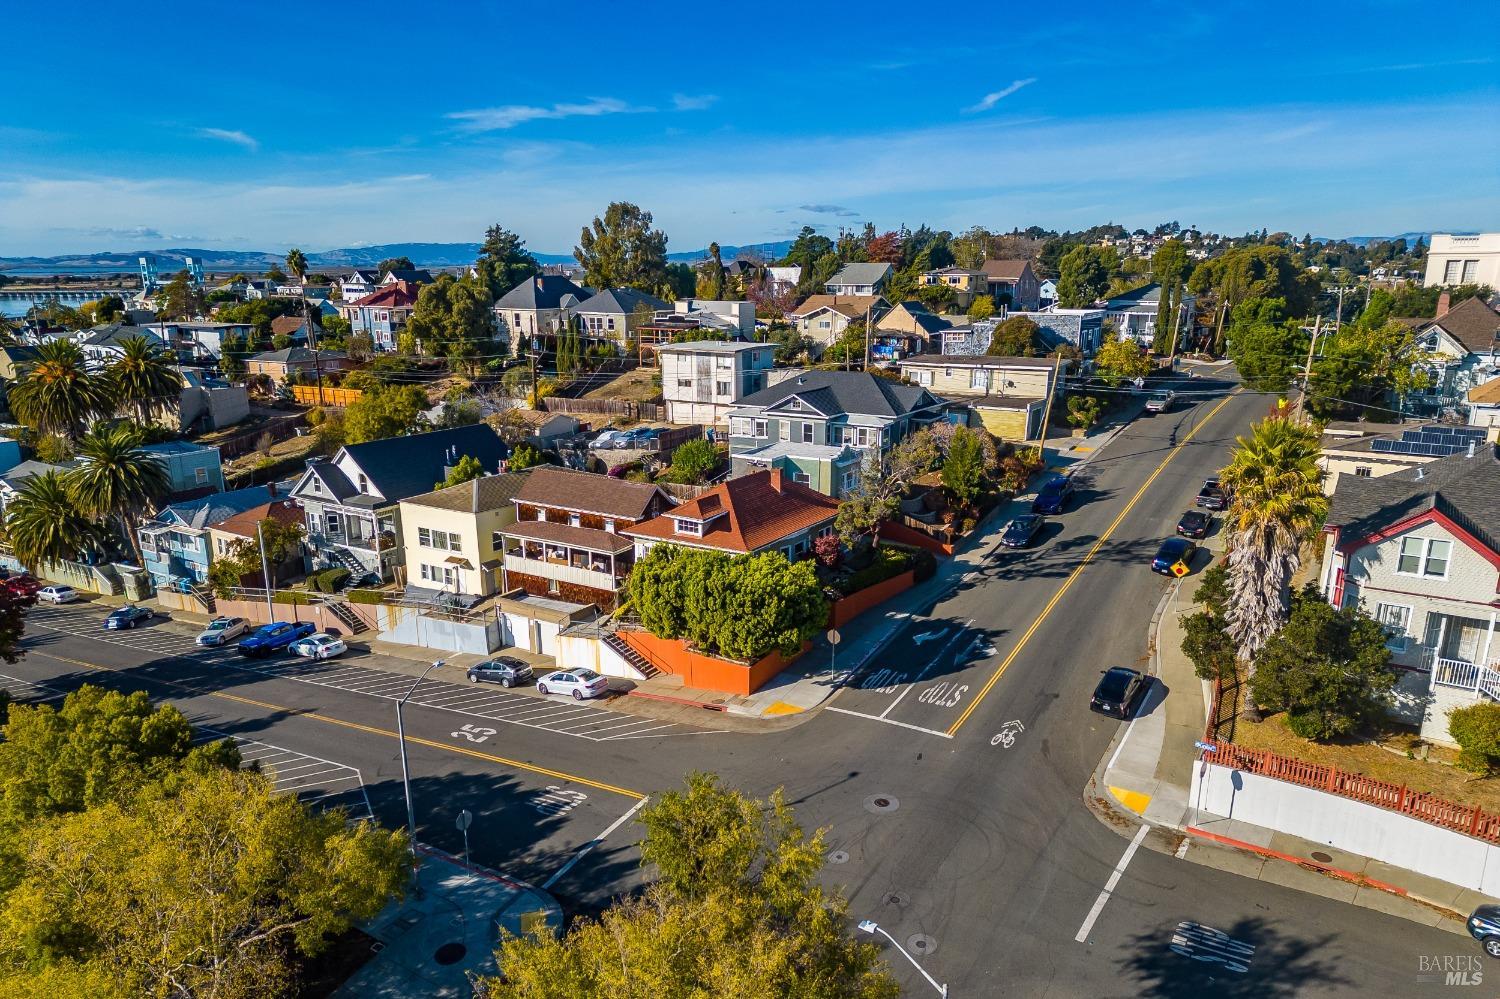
(127, 617)
(1174, 557)
(1053, 496)
(1212, 496)
(1023, 530)
(1484, 926)
(1195, 524)
(504, 670)
(1117, 691)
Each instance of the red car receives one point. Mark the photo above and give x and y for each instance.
(23, 585)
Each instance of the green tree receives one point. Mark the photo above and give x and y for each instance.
(44, 524)
(143, 379)
(693, 460)
(1083, 276)
(386, 411)
(394, 264)
(296, 264)
(55, 393)
(1169, 268)
(1084, 411)
(983, 307)
(1014, 337)
(1266, 346)
(963, 471)
(117, 480)
(1476, 729)
(234, 349)
(882, 482)
(1359, 366)
(1327, 669)
(1277, 499)
(1205, 640)
(525, 456)
(736, 910)
(467, 468)
(621, 250)
(711, 283)
(453, 318)
(504, 261)
(179, 298)
(1118, 361)
(54, 449)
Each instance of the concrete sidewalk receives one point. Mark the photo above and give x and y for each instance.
(435, 938)
(1146, 775)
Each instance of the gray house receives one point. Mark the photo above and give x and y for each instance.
(818, 426)
(351, 501)
(537, 307)
(859, 279)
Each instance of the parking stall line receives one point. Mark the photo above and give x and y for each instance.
(632, 723)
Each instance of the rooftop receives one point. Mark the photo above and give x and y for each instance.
(845, 392)
(861, 274)
(851, 306)
(481, 495)
(1464, 489)
(745, 514)
(711, 347)
(588, 493)
(565, 534)
(1004, 270)
(1473, 324)
(979, 361)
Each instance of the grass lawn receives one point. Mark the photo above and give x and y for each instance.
(1433, 775)
(639, 385)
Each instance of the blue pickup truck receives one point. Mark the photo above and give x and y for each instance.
(269, 638)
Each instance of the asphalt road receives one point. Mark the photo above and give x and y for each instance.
(980, 857)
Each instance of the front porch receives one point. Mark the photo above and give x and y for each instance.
(565, 559)
(1459, 651)
(357, 540)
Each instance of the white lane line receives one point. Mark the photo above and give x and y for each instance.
(930, 663)
(1182, 849)
(583, 852)
(1109, 886)
(1128, 729)
(630, 723)
(887, 721)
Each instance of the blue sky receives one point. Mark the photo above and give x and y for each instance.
(327, 125)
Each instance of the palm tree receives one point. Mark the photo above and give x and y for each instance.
(144, 378)
(117, 479)
(1276, 485)
(56, 394)
(44, 524)
(296, 263)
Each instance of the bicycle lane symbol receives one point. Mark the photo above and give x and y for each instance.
(1006, 737)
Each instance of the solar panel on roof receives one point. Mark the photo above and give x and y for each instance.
(1381, 445)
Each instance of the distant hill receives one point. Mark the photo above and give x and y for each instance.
(1410, 237)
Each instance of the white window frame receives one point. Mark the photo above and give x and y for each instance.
(760, 428)
(1397, 625)
(1425, 558)
(691, 528)
(807, 432)
(802, 477)
(424, 537)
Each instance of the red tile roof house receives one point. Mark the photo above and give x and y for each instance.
(762, 511)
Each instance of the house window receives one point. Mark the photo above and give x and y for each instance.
(979, 379)
(760, 428)
(802, 477)
(333, 523)
(1424, 557)
(201, 474)
(424, 537)
(694, 528)
(721, 388)
(1362, 471)
(807, 432)
(849, 478)
(364, 483)
(497, 541)
(455, 542)
(1471, 271)
(947, 372)
(611, 322)
(825, 324)
(1450, 271)
(924, 376)
(1396, 620)
(740, 427)
(517, 317)
(684, 383)
(574, 520)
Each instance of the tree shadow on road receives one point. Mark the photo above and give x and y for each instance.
(1191, 965)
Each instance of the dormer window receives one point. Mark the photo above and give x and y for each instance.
(688, 526)
(364, 483)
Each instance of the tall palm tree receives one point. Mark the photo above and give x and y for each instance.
(1276, 484)
(56, 394)
(296, 264)
(116, 479)
(144, 378)
(44, 525)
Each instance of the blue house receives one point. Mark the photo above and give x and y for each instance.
(192, 468)
(175, 544)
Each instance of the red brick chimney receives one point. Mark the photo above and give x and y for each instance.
(1442, 307)
(776, 479)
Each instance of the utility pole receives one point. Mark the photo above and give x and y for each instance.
(867, 337)
(1307, 372)
(1047, 409)
(265, 571)
(1338, 317)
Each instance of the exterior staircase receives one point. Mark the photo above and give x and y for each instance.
(628, 653)
(343, 558)
(345, 613)
(205, 596)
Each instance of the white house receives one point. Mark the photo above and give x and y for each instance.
(1465, 344)
(701, 381)
(859, 279)
(1463, 260)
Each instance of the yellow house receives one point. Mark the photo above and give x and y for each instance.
(966, 284)
(451, 537)
(1005, 394)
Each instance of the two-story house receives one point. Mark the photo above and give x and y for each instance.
(1465, 343)
(1012, 283)
(176, 544)
(412, 276)
(537, 307)
(226, 535)
(824, 318)
(859, 279)
(357, 284)
(352, 501)
(967, 284)
(1006, 394)
(1420, 551)
(199, 342)
(277, 365)
(104, 345)
(817, 426)
(702, 380)
(613, 314)
(566, 539)
(1135, 313)
(759, 512)
(451, 537)
(382, 314)
(1473, 259)
(191, 468)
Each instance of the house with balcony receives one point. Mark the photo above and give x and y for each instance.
(103, 345)
(199, 342)
(452, 541)
(1006, 394)
(351, 501)
(1135, 313)
(357, 284)
(177, 544)
(702, 380)
(818, 426)
(566, 541)
(613, 314)
(1012, 283)
(859, 279)
(1419, 549)
(382, 314)
(824, 318)
(759, 512)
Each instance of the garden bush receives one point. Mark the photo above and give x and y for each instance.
(330, 580)
(1476, 729)
(366, 596)
(887, 563)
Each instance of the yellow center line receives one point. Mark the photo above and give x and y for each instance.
(372, 730)
(1087, 558)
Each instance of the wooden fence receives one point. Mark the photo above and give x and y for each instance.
(612, 408)
(279, 428)
(674, 437)
(312, 395)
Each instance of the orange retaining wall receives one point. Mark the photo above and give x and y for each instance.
(903, 535)
(841, 612)
(707, 672)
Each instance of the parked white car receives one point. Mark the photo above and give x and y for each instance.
(581, 683)
(607, 439)
(221, 630)
(319, 646)
(57, 594)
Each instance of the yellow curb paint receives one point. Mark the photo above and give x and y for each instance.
(1133, 800)
(1082, 448)
(1087, 558)
(372, 730)
(782, 708)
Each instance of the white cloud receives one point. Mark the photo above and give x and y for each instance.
(233, 135)
(511, 115)
(701, 102)
(990, 100)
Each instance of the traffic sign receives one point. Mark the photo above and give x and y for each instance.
(1207, 747)
(834, 637)
(465, 820)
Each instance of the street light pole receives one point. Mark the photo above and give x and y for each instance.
(869, 926)
(265, 572)
(411, 815)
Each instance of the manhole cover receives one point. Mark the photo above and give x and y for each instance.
(921, 943)
(450, 953)
(838, 857)
(1321, 857)
(881, 803)
(896, 898)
